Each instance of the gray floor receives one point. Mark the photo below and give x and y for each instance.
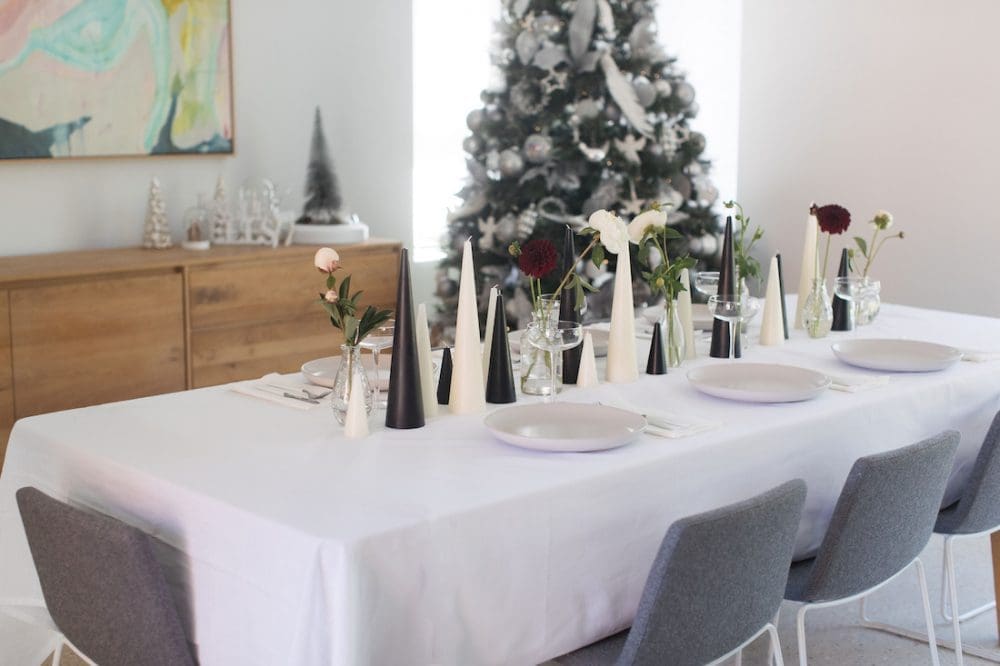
(834, 638)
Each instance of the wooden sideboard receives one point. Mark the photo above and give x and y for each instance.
(83, 328)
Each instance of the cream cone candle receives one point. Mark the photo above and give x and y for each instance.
(428, 391)
(808, 267)
(488, 333)
(356, 419)
(587, 376)
(468, 390)
(623, 365)
(686, 315)
(772, 331)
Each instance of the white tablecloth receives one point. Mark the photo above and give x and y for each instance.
(287, 544)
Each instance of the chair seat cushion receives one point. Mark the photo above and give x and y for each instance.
(601, 653)
(948, 520)
(798, 579)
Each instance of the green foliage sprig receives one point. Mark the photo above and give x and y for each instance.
(869, 249)
(342, 306)
(665, 277)
(746, 264)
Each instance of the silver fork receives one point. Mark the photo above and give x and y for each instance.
(312, 394)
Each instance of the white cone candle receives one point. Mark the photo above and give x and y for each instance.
(686, 315)
(623, 365)
(488, 333)
(772, 330)
(587, 376)
(428, 390)
(356, 419)
(468, 391)
(808, 267)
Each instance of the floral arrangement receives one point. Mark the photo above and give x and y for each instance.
(650, 232)
(341, 305)
(747, 266)
(832, 220)
(869, 249)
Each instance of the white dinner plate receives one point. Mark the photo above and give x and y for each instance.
(759, 382)
(701, 318)
(599, 335)
(323, 371)
(565, 426)
(897, 355)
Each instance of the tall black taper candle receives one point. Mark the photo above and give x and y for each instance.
(444, 377)
(781, 288)
(569, 311)
(843, 311)
(727, 288)
(656, 364)
(405, 405)
(500, 386)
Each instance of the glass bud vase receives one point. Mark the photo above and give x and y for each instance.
(350, 374)
(869, 302)
(817, 312)
(675, 342)
(538, 365)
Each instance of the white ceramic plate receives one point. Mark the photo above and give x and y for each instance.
(323, 371)
(701, 318)
(600, 341)
(897, 355)
(565, 426)
(759, 382)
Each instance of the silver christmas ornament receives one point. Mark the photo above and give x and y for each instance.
(471, 144)
(493, 165)
(506, 230)
(693, 109)
(644, 91)
(537, 148)
(663, 88)
(487, 232)
(547, 24)
(588, 108)
(594, 154)
(684, 92)
(446, 287)
(526, 98)
(526, 222)
(511, 163)
(612, 111)
(696, 142)
(475, 119)
(494, 114)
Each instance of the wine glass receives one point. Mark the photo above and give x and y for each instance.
(850, 289)
(733, 311)
(378, 340)
(554, 337)
(707, 282)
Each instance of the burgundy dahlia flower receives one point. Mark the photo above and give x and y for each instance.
(538, 258)
(833, 219)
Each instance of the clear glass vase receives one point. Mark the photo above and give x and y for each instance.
(673, 330)
(538, 366)
(869, 302)
(350, 373)
(817, 312)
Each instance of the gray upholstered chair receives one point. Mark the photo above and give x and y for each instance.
(976, 513)
(881, 522)
(102, 585)
(715, 585)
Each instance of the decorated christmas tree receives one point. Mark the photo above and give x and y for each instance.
(156, 233)
(588, 113)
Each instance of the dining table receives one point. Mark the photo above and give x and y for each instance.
(286, 543)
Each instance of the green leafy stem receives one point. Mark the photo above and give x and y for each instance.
(343, 312)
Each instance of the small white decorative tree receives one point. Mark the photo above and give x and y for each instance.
(221, 218)
(157, 231)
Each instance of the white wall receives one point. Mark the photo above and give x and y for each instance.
(351, 58)
(879, 104)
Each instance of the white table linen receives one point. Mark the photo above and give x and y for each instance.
(287, 543)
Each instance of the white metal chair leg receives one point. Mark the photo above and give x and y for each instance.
(800, 632)
(738, 659)
(774, 648)
(948, 566)
(57, 651)
(951, 585)
(928, 617)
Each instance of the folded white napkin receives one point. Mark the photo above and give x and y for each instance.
(853, 383)
(669, 424)
(979, 356)
(272, 387)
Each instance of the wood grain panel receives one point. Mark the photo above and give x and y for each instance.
(6, 376)
(284, 288)
(232, 353)
(94, 341)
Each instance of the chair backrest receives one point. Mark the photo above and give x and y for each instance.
(102, 584)
(718, 578)
(883, 518)
(978, 510)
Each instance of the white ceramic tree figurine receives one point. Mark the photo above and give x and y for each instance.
(157, 231)
(221, 218)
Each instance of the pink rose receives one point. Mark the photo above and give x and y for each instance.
(331, 296)
(327, 260)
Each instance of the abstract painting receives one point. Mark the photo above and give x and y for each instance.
(114, 77)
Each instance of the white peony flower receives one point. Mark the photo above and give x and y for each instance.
(638, 226)
(882, 219)
(327, 260)
(614, 233)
